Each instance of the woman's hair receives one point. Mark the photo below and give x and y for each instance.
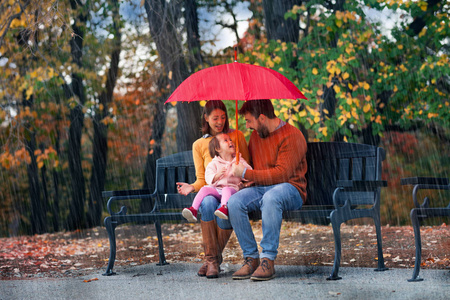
(258, 107)
(214, 144)
(210, 106)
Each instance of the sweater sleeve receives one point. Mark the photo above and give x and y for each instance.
(200, 161)
(291, 151)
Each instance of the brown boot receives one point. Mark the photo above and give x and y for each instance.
(245, 272)
(223, 235)
(202, 271)
(211, 245)
(265, 271)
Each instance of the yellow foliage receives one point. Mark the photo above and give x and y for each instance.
(378, 119)
(345, 75)
(367, 108)
(323, 130)
(315, 71)
(337, 89)
(29, 92)
(349, 101)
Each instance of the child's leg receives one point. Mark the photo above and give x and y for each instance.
(226, 194)
(204, 191)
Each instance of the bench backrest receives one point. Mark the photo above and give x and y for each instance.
(174, 168)
(332, 161)
(327, 163)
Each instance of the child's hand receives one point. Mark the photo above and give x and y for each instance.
(220, 174)
(248, 183)
(184, 188)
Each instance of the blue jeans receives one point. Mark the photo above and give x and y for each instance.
(271, 201)
(207, 209)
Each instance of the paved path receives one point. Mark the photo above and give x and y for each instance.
(178, 281)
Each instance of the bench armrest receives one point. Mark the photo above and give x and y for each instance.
(360, 185)
(424, 180)
(425, 183)
(126, 195)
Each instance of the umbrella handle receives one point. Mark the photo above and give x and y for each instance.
(235, 53)
(237, 135)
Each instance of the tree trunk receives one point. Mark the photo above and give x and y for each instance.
(38, 208)
(155, 152)
(163, 31)
(100, 144)
(277, 27)
(76, 218)
(193, 37)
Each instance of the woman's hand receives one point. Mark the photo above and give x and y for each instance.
(184, 188)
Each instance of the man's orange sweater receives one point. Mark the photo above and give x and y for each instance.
(278, 158)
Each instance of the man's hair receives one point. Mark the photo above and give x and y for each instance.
(210, 106)
(258, 107)
(214, 144)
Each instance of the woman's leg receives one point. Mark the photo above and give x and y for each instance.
(215, 237)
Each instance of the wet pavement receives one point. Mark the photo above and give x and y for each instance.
(178, 281)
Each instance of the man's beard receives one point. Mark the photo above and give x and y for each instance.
(262, 131)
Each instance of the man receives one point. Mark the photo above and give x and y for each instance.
(278, 154)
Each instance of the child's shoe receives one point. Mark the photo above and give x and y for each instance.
(222, 212)
(190, 214)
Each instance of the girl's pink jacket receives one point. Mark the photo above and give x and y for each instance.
(216, 164)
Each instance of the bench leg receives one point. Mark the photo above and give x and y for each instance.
(162, 257)
(416, 227)
(337, 246)
(381, 266)
(111, 229)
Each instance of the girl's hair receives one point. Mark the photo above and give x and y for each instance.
(214, 144)
(210, 106)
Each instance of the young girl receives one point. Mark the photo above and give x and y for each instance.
(221, 184)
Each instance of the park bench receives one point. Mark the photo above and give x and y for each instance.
(344, 183)
(423, 211)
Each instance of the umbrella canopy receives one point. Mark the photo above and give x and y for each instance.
(235, 81)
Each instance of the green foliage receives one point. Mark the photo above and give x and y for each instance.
(342, 53)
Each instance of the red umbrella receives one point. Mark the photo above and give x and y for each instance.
(235, 81)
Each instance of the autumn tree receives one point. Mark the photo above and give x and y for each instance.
(360, 81)
(163, 18)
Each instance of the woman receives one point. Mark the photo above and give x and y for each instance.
(215, 231)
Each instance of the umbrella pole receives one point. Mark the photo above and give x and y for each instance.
(237, 128)
(237, 136)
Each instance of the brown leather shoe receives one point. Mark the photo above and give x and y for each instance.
(265, 271)
(250, 265)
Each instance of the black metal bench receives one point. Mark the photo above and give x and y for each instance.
(423, 211)
(344, 183)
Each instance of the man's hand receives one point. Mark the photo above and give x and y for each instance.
(237, 170)
(184, 188)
